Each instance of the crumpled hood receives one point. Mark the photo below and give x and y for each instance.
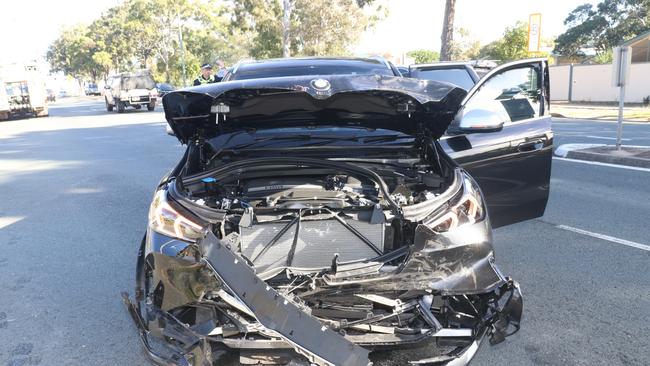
(401, 104)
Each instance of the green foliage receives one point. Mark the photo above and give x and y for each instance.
(424, 56)
(145, 34)
(603, 26)
(606, 57)
(513, 45)
(326, 27)
(317, 27)
(72, 53)
(464, 46)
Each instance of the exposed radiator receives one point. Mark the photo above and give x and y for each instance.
(318, 241)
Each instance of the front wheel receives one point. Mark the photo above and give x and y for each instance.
(42, 113)
(109, 107)
(120, 107)
(151, 106)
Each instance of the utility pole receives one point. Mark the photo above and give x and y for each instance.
(447, 37)
(180, 43)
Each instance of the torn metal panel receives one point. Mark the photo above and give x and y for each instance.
(449, 263)
(279, 314)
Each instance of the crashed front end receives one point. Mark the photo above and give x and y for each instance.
(311, 255)
(430, 302)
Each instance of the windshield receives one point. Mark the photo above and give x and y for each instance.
(137, 82)
(299, 70)
(458, 77)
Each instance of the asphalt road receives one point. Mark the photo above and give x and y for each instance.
(75, 190)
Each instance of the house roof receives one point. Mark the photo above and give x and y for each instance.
(640, 46)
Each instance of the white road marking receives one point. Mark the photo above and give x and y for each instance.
(606, 237)
(9, 220)
(647, 170)
(606, 138)
(581, 120)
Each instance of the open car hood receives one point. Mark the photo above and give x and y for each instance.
(400, 104)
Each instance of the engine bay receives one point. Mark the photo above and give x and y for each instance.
(311, 214)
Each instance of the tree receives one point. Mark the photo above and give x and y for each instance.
(287, 8)
(603, 26)
(72, 53)
(104, 63)
(447, 37)
(424, 56)
(316, 27)
(513, 45)
(146, 34)
(464, 46)
(257, 19)
(328, 28)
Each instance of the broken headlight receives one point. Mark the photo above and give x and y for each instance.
(165, 219)
(466, 207)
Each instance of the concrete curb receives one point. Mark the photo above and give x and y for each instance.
(600, 153)
(563, 150)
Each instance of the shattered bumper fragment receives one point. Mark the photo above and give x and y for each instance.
(210, 308)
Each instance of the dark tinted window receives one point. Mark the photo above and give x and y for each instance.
(259, 72)
(458, 77)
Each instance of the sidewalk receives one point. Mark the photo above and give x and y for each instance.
(636, 156)
(604, 111)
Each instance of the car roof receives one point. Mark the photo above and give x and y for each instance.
(441, 64)
(251, 65)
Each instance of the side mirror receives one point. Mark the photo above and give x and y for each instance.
(170, 132)
(480, 120)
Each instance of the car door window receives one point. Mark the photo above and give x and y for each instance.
(513, 94)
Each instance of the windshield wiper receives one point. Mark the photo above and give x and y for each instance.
(317, 140)
(386, 138)
(324, 139)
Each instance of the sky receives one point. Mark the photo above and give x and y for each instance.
(27, 27)
(417, 24)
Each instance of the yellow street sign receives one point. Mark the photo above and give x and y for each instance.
(534, 32)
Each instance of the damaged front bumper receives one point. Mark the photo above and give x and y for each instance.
(209, 307)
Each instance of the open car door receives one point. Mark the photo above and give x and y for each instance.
(502, 136)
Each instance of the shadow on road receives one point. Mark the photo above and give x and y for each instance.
(73, 210)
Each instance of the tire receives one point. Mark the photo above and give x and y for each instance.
(109, 107)
(151, 106)
(120, 107)
(43, 113)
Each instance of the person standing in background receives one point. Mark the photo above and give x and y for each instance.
(206, 76)
(221, 71)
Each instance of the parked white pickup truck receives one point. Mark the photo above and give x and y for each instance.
(130, 90)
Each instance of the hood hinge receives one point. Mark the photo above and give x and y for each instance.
(408, 108)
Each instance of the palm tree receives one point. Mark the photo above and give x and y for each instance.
(447, 36)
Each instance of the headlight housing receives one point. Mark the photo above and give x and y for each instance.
(167, 220)
(465, 207)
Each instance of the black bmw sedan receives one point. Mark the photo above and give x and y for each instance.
(330, 219)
